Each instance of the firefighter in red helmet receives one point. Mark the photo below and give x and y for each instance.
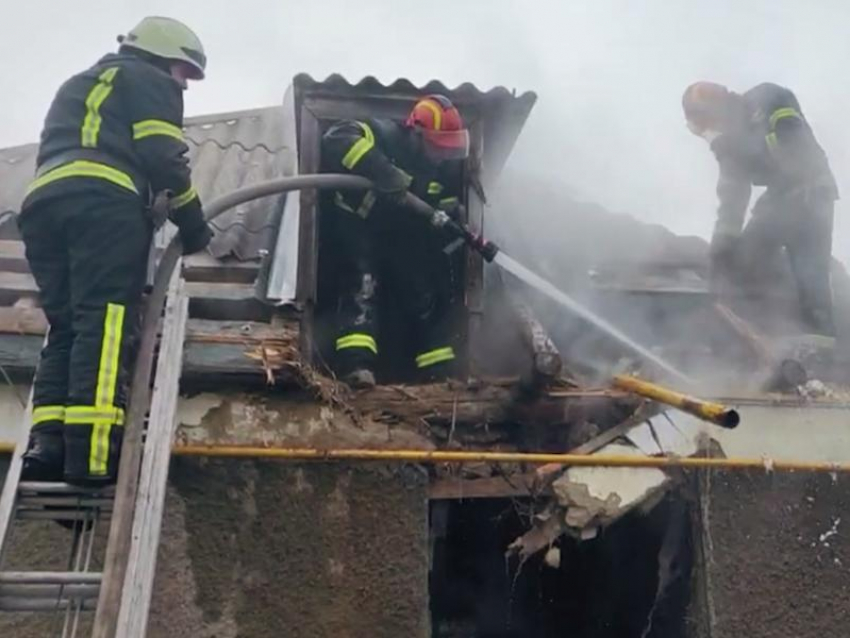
(762, 138)
(385, 250)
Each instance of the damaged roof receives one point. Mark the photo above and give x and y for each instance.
(227, 151)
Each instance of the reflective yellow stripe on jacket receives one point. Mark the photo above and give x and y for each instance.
(148, 128)
(360, 147)
(85, 168)
(184, 198)
(96, 97)
(779, 114)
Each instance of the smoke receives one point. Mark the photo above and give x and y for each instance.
(607, 127)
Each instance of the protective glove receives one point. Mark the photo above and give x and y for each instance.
(454, 209)
(391, 185)
(721, 255)
(195, 239)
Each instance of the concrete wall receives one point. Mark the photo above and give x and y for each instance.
(775, 547)
(267, 549)
(263, 549)
(776, 555)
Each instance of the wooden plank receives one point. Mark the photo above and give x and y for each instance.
(198, 267)
(309, 153)
(208, 300)
(150, 496)
(27, 319)
(204, 354)
(203, 267)
(22, 320)
(12, 258)
(15, 286)
(508, 486)
(226, 301)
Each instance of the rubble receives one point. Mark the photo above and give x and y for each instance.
(585, 500)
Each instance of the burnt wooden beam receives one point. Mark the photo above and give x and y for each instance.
(485, 403)
(508, 486)
(212, 349)
(545, 360)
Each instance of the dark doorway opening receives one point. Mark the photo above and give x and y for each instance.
(600, 588)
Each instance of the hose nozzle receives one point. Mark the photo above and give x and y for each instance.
(486, 249)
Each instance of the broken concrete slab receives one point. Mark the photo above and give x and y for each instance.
(587, 499)
(597, 496)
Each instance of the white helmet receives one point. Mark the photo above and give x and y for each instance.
(170, 39)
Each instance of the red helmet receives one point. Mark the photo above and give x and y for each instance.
(441, 126)
(706, 104)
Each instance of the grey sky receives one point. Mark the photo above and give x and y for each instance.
(609, 73)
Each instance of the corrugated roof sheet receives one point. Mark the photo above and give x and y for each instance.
(466, 93)
(504, 112)
(227, 151)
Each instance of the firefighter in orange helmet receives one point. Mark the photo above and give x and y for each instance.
(387, 250)
(762, 138)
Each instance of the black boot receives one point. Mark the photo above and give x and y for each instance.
(437, 373)
(360, 379)
(44, 459)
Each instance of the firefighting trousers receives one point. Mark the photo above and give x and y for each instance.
(396, 255)
(88, 253)
(802, 224)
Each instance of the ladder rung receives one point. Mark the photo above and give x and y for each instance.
(61, 515)
(72, 592)
(45, 604)
(71, 501)
(50, 578)
(35, 487)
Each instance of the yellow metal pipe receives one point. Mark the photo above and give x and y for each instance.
(716, 413)
(534, 458)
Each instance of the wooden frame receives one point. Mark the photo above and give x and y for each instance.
(312, 113)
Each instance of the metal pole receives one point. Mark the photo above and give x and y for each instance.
(536, 458)
(706, 410)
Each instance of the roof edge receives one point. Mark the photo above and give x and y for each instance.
(335, 81)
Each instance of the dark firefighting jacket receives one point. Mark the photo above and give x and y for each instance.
(770, 145)
(385, 151)
(119, 122)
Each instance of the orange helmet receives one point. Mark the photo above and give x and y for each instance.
(441, 126)
(706, 105)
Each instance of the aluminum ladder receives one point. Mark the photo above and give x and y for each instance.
(78, 589)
